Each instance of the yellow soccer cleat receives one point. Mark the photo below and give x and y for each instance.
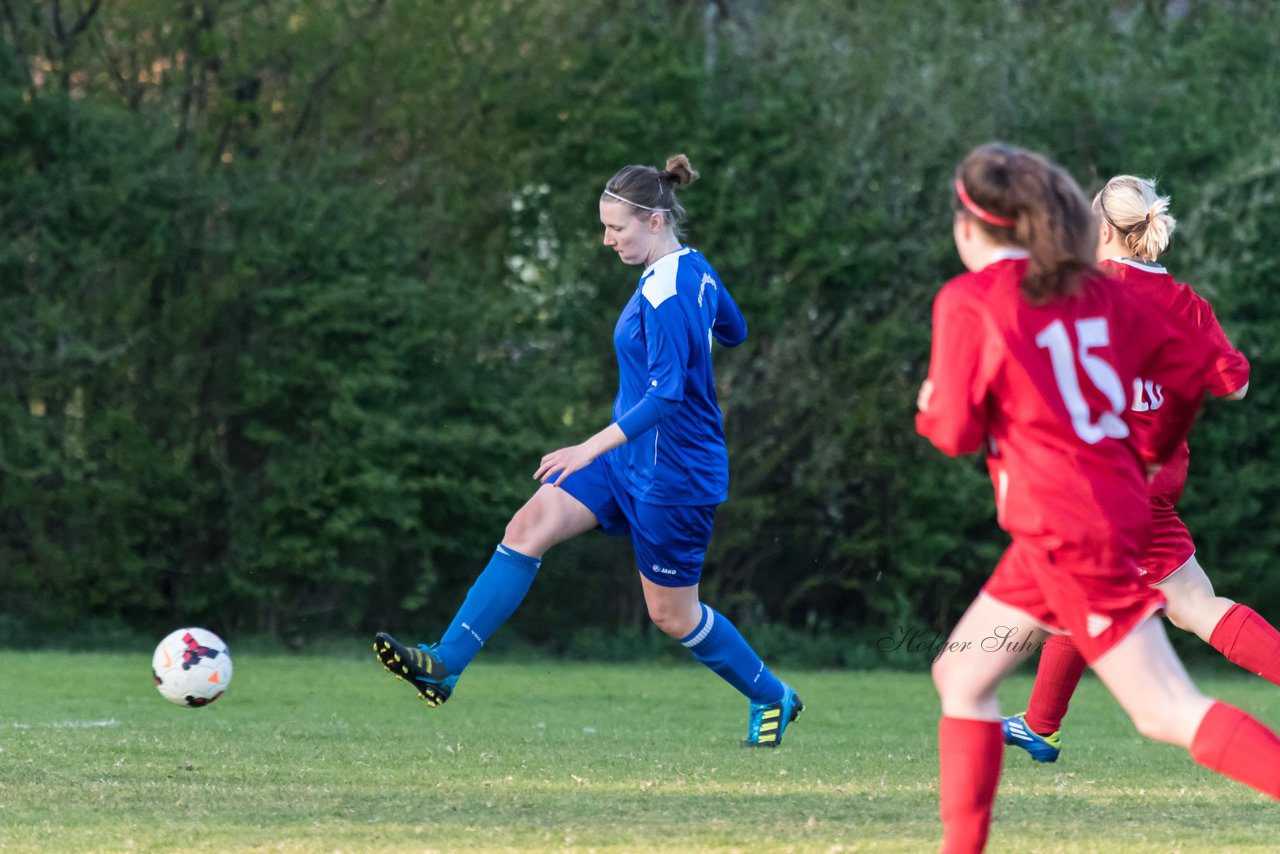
(419, 666)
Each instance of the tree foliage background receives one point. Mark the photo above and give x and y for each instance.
(293, 295)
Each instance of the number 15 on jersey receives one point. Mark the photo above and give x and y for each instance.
(1091, 333)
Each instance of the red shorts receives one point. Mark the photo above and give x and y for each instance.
(1094, 594)
(1171, 545)
(1169, 481)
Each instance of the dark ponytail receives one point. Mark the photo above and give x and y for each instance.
(1050, 217)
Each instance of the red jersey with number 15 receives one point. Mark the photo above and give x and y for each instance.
(1228, 372)
(1047, 388)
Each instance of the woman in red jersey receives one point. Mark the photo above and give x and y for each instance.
(1033, 356)
(1134, 229)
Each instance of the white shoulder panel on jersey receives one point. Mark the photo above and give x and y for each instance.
(659, 281)
(1149, 266)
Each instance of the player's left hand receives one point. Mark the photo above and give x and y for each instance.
(563, 463)
(925, 395)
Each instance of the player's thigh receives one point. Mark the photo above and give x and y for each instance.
(1147, 679)
(550, 516)
(1188, 582)
(990, 640)
(1192, 603)
(670, 542)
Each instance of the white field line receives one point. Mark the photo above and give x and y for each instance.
(65, 724)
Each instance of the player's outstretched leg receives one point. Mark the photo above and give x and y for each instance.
(1057, 676)
(1241, 634)
(494, 596)
(772, 705)
(419, 666)
(1151, 684)
(1038, 729)
(1246, 639)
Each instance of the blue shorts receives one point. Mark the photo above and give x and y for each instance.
(670, 540)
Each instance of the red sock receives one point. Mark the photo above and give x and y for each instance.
(1249, 641)
(969, 756)
(1061, 666)
(1237, 746)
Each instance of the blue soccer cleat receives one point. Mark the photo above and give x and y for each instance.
(419, 666)
(769, 721)
(1043, 748)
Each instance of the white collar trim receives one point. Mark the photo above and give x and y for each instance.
(1139, 265)
(676, 252)
(1009, 253)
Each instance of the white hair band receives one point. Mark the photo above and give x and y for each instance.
(636, 204)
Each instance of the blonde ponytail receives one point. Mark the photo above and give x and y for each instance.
(1132, 207)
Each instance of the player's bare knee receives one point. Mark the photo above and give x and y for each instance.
(1197, 613)
(949, 681)
(514, 535)
(939, 673)
(960, 687)
(1159, 723)
(674, 623)
(523, 531)
(1180, 614)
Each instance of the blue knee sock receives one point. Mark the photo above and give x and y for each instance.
(717, 644)
(494, 597)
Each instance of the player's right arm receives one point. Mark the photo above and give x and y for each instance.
(1239, 393)
(1229, 373)
(952, 400)
(730, 327)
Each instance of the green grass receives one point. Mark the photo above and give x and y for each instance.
(330, 754)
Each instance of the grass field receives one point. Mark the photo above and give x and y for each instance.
(332, 755)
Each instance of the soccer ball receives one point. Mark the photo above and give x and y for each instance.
(192, 667)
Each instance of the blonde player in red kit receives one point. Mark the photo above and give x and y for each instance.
(1034, 354)
(1134, 229)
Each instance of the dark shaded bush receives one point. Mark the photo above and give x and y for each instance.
(293, 296)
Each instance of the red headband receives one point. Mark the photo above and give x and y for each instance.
(972, 207)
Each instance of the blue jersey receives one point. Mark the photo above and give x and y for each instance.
(663, 341)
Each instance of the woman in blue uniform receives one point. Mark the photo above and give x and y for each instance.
(655, 474)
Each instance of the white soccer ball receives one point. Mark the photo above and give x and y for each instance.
(192, 667)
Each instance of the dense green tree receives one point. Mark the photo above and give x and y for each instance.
(294, 293)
